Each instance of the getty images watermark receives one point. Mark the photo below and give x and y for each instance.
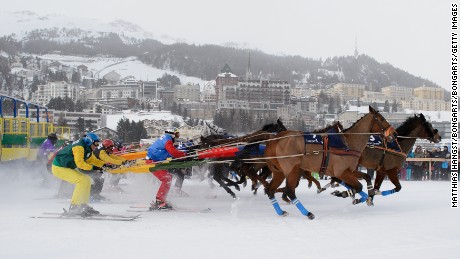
(454, 106)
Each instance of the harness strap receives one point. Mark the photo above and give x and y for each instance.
(325, 160)
(344, 152)
(384, 149)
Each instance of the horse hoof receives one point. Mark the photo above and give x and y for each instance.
(370, 202)
(356, 201)
(285, 214)
(336, 193)
(310, 216)
(320, 190)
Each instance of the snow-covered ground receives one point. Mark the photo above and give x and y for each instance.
(113, 119)
(129, 66)
(415, 223)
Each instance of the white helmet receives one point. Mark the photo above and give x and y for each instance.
(172, 131)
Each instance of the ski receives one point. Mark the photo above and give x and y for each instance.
(85, 218)
(176, 209)
(98, 215)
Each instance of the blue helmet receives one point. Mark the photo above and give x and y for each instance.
(91, 138)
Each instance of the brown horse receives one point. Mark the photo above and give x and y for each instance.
(287, 153)
(219, 170)
(388, 162)
(248, 165)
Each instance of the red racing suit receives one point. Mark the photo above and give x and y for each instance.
(158, 149)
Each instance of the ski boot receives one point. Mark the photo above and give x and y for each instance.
(160, 205)
(82, 210)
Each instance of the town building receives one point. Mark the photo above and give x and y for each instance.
(431, 93)
(348, 91)
(51, 90)
(398, 93)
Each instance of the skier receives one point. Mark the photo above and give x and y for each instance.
(162, 149)
(181, 173)
(78, 155)
(118, 148)
(46, 149)
(103, 152)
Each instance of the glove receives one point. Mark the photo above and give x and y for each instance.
(107, 167)
(98, 169)
(128, 163)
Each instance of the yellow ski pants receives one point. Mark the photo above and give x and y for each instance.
(82, 183)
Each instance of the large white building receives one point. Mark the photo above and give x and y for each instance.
(425, 104)
(425, 92)
(398, 92)
(51, 90)
(349, 91)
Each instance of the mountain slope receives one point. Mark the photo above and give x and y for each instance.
(123, 39)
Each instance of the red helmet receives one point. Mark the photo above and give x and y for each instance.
(107, 143)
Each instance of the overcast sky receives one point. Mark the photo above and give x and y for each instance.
(411, 35)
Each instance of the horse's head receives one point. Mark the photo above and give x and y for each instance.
(212, 129)
(380, 125)
(281, 126)
(274, 128)
(431, 133)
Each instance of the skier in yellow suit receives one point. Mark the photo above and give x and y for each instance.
(104, 152)
(78, 155)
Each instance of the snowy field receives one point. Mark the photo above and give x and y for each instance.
(129, 66)
(113, 119)
(415, 223)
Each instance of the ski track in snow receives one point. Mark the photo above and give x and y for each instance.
(415, 223)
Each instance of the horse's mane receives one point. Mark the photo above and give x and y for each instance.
(371, 110)
(408, 125)
(268, 126)
(412, 122)
(336, 124)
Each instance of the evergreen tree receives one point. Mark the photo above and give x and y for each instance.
(98, 109)
(175, 124)
(80, 124)
(79, 106)
(35, 83)
(394, 106)
(168, 81)
(386, 107)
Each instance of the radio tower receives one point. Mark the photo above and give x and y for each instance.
(356, 47)
(248, 72)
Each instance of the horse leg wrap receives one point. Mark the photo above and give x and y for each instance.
(277, 207)
(370, 190)
(388, 192)
(345, 185)
(363, 196)
(350, 193)
(302, 209)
